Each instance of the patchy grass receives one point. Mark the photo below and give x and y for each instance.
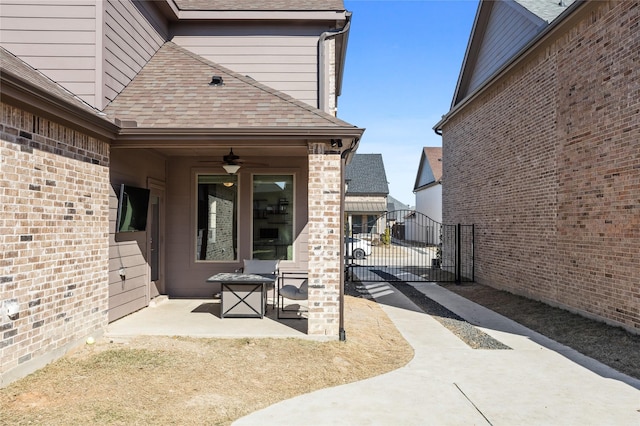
(191, 381)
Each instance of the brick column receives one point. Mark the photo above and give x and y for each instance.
(324, 241)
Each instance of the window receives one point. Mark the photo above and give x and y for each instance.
(217, 217)
(273, 217)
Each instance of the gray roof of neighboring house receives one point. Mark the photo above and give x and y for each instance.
(393, 204)
(547, 10)
(366, 175)
(260, 5)
(173, 91)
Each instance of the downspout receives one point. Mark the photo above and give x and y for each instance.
(341, 331)
(321, 57)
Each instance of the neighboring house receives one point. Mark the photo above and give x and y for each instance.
(419, 227)
(393, 205)
(102, 99)
(366, 194)
(542, 151)
(428, 186)
(397, 212)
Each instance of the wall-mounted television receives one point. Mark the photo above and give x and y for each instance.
(133, 206)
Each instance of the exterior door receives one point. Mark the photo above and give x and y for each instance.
(156, 239)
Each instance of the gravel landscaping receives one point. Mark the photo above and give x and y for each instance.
(612, 346)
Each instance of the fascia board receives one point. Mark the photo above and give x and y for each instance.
(204, 137)
(21, 93)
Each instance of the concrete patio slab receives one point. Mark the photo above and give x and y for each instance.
(201, 318)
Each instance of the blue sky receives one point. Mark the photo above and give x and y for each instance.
(403, 62)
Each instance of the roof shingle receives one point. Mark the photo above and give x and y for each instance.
(366, 175)
(173, 91)
(10, 63)
(260, 5)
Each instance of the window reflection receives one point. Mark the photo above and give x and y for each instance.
(273, 217)
(216, 230)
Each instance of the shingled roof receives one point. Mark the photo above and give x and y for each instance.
(547, 10)
(11, 64)
(430, 168)
(173, 91)
(261, 5)
(366, 175)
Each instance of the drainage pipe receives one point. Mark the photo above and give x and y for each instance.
(321, 59)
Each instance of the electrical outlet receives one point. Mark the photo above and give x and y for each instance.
(11, 308)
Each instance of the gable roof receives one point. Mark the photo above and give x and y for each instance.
(365, 175)
(173, 91)
(503, 32)
(430, 168)
(261, 5)
(502, 29)
(393, 204)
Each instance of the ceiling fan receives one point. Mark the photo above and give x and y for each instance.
(231, 162)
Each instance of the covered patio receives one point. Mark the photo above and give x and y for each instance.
(201, 318)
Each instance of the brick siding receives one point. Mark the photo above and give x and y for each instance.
(325, 181)
(54, 184)
(546, 163)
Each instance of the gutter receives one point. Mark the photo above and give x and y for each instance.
(544, 34)
(327, 35)
(148, 137)
(22, 93)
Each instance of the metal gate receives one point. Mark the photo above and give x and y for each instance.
(405, 245)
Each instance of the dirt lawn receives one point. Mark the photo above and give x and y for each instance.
(188, 381)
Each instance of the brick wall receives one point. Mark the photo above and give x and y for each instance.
(325, 181)
(546, 163)
(54, 186)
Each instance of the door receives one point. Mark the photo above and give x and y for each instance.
(156, 239)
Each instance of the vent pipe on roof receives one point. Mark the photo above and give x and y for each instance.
(216, 80)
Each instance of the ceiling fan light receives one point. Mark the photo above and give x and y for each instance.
(231, 168)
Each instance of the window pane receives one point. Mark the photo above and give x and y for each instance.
(273, 217)
(216, 228)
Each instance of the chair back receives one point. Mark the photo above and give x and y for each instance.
(257, 266)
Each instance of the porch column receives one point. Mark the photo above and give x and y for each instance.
(325, 183)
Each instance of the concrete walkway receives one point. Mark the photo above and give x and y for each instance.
(538, 382)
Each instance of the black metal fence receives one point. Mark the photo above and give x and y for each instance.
(409, 246)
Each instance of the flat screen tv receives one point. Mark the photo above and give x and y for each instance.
(133, 206)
